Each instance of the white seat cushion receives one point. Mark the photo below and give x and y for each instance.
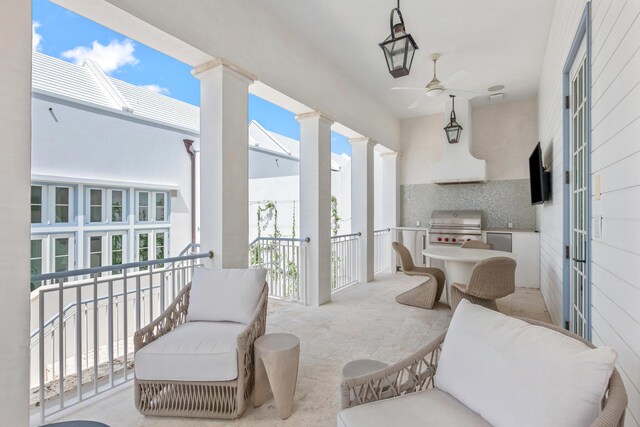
(194, 351)
(516, 374)
(425, 408)
(225, 295)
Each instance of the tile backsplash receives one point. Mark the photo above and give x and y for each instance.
(501, 202)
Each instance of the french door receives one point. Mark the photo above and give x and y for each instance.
(579, 301)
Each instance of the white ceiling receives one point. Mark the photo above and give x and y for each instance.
(497, 41)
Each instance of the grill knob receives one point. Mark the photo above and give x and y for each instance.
(446, 239)
(439, 239)
(453, 240)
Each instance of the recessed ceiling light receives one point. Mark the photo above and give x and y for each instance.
(495, 88)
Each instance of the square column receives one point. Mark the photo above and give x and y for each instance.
(315, 203)
(362, 203)
(224, 162)
(390, 204)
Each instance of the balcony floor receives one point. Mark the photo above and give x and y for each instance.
(363, 321)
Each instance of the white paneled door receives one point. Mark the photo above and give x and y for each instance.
(578, 181)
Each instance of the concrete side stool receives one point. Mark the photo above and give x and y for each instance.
(276, 365)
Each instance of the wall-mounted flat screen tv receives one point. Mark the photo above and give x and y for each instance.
(539, 177)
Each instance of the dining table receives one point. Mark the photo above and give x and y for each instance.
(459, 262)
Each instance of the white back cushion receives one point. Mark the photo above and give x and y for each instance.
(515, 374)
(225, 295)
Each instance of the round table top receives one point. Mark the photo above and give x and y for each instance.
(456, 253)
(273, 343)
(358, 367)
(77, 424)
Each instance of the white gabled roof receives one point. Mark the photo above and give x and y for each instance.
(87, 84)
(59, 77)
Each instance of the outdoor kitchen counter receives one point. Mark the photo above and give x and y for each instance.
(459, 262)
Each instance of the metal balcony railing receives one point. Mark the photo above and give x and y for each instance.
(345, 253)
(83, 323)
(381, 250)
(285, 259)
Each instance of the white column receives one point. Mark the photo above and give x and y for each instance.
(15, 172)
(315, 203)
(362, 203)
(224, 162)
(390, 197)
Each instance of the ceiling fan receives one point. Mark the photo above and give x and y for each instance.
(436, 87)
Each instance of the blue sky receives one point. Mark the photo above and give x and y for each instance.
(68, 36)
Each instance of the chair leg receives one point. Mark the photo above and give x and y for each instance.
(457, 295)
(423, 296)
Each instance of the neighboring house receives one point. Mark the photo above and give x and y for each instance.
(92, 206)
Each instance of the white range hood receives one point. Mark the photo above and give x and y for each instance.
(457, 165)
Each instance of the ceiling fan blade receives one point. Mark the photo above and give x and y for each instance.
(458, 75)
(466, 94)
(407, 88)
(417, 102)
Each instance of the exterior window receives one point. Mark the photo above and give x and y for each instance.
(62, 205)
(95, 251)
(143, 248)
(117, 251)
(117, 206)
(36, 261)
(160, 207)
(36, 204)
(143, 206)
(61, 254)
(160, 245)
(95, 205)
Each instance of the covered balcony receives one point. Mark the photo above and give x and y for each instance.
(446, 197)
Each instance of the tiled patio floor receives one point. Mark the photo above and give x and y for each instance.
(363, 321)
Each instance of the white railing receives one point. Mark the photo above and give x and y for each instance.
(82, 338)
(381, 250)
(285, 259)
(344, 260)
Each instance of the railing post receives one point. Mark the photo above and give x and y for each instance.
(61, 340)
(78, 343)
(41, 361)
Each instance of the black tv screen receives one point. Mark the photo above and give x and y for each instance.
(538, 177)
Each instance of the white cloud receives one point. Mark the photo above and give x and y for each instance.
(157, 89)
(109, 57)
(36, 38)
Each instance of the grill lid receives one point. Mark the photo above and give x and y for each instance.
(454, 219)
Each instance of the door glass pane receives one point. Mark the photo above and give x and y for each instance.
(116, 251)
(143, 248)
(36, 261)
(61, 254)
(95, 251)
(159, 245)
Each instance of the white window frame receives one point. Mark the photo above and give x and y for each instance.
(52, 250)
(151, 248)
(52, 205)
(43, 204)
(88, 205)
(106, 246)
(109, 216)
(151, 208)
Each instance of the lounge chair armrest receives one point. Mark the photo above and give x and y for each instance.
(174, 316)
(414, 373)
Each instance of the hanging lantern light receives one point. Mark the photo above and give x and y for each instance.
(453, 129)
(399, 47)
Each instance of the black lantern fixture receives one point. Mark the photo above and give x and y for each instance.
(453, 129)
(399, 47)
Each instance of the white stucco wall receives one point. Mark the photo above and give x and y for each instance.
(503, 134)
(15, 122)
(90, 144)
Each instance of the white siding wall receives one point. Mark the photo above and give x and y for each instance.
(616, 158)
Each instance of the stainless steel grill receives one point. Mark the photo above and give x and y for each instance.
(454, 227)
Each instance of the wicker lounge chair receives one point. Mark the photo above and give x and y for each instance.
(414, 376)
(475, 244)
(491, 279)
(409, 268)
(203, 399)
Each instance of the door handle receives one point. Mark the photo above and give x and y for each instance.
(582, 261)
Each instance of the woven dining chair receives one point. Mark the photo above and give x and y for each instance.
(475, 244)
(426, 294)
(491, 279)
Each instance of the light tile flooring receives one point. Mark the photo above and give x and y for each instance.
(362, 321)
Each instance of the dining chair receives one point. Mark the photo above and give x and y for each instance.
(410, 269)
